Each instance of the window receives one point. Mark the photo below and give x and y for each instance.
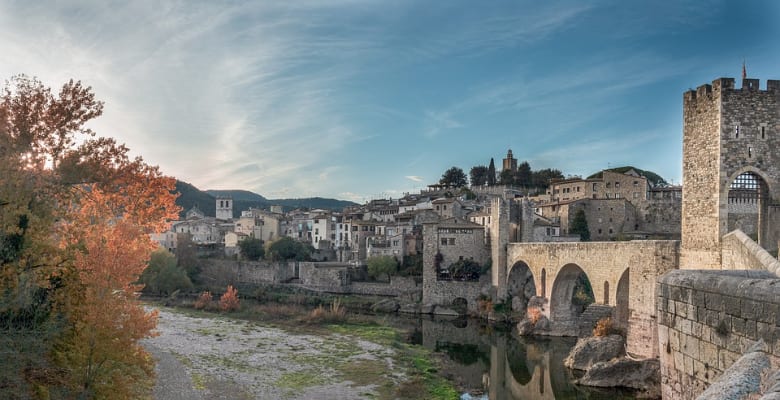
(617, 185)
(595, 186)
(617, 195)
(610, 231)
(599, 231)
(736, 131)
(443, 241)
(636, 183)
(750, 152)
(451, 241)
(445, 207)
(609, 184)
(763, 131)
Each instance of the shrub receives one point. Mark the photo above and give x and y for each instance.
(229, 300)
(203, 301)
(335, 313)
(605, 327)
(534, 314)
(382, 266)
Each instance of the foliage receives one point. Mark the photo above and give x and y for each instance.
(333, 314)
(524, 176)
(252, 248)
(605, 327)
(579, 225)
(652, 177)
(542, 177)
(162, 275)
(534, 314)
(229, 300)
(203, 301)
(75, 214)
(412, 265)
(583, 292)
(287, 248)
(479, 175)
(454, 177)
(491, 175)
(382, 266)
(467, 270)
(187, 256)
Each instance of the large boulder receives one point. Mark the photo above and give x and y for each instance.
(644, 375)
(446, 311)
(385, 306)
(594, 349)
(410, 308)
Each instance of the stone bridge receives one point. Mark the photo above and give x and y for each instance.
(622, 275)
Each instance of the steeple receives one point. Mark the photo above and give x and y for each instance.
(510, 163)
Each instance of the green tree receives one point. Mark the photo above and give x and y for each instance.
(187, 256)
(491, 177)
(542, 177)
(579, 225)
(382, 266)
(287, 248)
(251, 248)
(507, 178)
(524, 176)
(163, 276)
(479, 175)
(454, 177)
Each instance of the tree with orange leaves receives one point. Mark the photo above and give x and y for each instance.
(74, 225)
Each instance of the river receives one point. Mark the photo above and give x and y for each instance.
(501, 364)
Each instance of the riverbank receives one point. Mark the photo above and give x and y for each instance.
(207, 355)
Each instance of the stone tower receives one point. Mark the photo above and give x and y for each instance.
(731, 168)
(510, 163)
(224, 208)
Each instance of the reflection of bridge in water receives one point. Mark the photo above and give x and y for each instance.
(505, 366)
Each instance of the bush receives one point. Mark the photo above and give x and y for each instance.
(251, 249)
(203, 301)
(534, 314)
(163, 276)
(335, 313)
(229, 300)
(287, 248)
(466, 270)
(605, 327)
(382, 266)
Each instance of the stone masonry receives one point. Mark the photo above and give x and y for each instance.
(726, 132)
(708, 319)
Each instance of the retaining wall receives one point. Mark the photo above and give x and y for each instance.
(707, 319)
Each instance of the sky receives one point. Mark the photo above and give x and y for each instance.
(363, 99)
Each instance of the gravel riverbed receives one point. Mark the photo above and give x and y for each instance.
(220, 358)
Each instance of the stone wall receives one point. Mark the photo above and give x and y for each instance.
(708, 319)
(219, 273)
(741, 252)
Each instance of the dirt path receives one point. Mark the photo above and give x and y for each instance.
(218, 358)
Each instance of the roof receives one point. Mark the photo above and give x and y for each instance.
(458, 223)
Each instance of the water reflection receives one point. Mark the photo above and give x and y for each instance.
(503, 365)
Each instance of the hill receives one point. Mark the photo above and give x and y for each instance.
(238, 195)
(652, 177)
(244, 199)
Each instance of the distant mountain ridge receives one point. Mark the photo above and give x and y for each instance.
(244, 199)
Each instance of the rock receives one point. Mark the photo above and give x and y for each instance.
(642, 375)
(525, 327)
(427, 308)
(386, 306)
(445, 311)
(410, 308)
(518, 304)
(542, 325)
(594, 349)
(536, 301)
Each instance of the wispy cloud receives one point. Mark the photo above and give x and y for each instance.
(414, 178)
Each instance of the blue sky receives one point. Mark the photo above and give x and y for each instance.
(365, 99)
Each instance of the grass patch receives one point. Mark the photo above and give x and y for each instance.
(379, 334)
(299, 380)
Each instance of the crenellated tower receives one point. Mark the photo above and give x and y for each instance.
(731, 168)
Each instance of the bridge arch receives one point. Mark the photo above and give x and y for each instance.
(520, 286)
(622, 312)
(564, 307)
